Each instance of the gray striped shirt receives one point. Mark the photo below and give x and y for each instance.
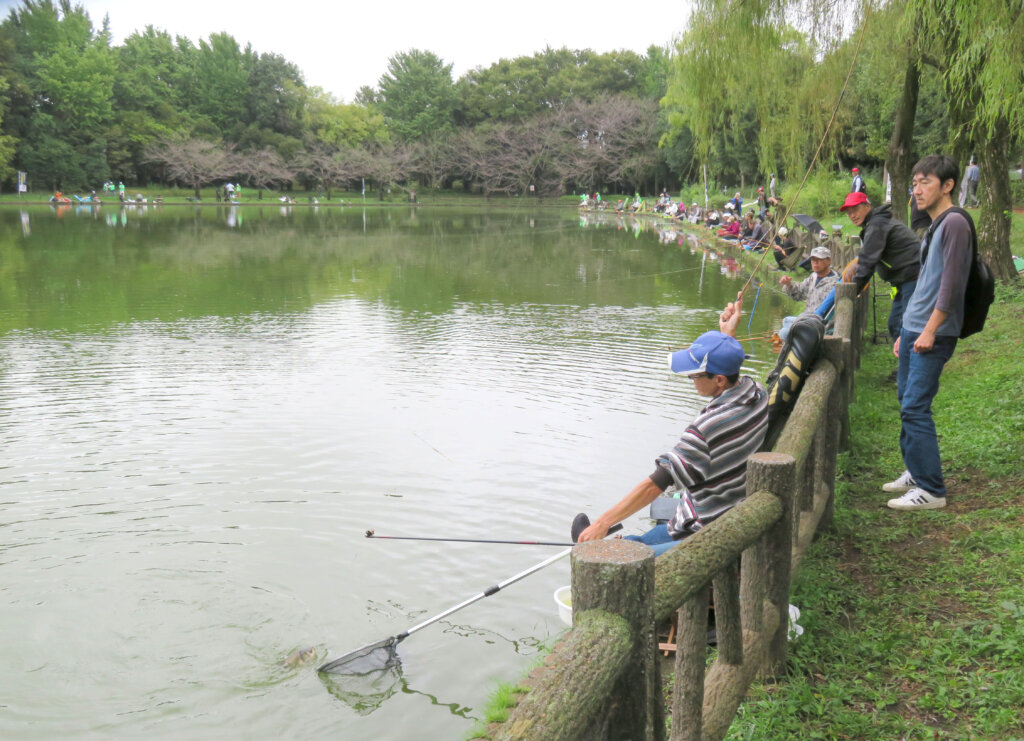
(711, 456)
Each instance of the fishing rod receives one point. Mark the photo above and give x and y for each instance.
(372, 534)
(821, 144)
(383, 654)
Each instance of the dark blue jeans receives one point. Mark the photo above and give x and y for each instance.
(657, 538)
(916, 386)
(899, 305)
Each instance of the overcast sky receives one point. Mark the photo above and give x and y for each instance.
(341, 45)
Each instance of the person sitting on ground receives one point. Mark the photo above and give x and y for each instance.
(748, 224)
(784, 246)
(696, 213)
(713, 219)
(710, 459)
(758, 237)
(731, 230)
(813, 289)
(889, 246)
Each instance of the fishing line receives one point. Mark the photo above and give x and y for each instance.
(814, 159)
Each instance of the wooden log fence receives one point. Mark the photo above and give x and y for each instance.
(602, 681)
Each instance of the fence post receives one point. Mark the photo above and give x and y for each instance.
(618, 576)
(776, 472)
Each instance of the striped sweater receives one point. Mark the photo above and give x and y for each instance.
(711, 457)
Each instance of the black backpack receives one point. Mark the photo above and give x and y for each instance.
(981, 284)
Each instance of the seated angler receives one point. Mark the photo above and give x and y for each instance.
(783, 247)
(758, 239)
(813, 289)
(710, 459)
(731, 230)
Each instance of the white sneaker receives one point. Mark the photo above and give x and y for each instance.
(917, 499)
(904, 483)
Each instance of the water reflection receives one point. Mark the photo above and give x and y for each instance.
(200, 420)
(366, 693)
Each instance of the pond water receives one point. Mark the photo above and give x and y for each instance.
(202, 411)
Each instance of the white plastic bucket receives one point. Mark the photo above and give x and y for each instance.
(563, 600)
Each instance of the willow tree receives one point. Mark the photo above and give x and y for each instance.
(741, 85)
(978, 48)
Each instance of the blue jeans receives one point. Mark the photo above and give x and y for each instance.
(657, 538)
(899, 305)
(787, 324)
(916, 385)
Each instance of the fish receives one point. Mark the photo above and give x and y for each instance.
(300, 657)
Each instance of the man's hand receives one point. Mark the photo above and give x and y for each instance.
(729, 319)
(896, 347)
(596, 531)
(924, 342)
(785, 280)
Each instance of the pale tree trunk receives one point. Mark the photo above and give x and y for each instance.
(991, 148)
(996, 201)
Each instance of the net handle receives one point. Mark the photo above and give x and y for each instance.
(487, 592)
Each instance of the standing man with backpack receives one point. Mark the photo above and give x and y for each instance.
(932, 323)
(857, 186)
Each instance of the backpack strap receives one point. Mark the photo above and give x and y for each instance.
(935, 225)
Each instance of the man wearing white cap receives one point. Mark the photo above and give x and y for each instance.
(814, 288)
(710, 459)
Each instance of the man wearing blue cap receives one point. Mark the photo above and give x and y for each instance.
(710, 459)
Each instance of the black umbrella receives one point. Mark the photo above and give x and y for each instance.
(809, 223)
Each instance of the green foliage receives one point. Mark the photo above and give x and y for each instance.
(417, 95)
(912, 621)
(824, 192)
(514, 90)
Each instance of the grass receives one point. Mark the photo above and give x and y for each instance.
(915, 621)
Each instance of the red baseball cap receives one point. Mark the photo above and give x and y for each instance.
(855, 170)
(854, 199)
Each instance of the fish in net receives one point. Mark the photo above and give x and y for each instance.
(371, 658)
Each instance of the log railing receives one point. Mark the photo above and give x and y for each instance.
(603, 679)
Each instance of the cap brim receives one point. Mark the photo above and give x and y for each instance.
(682, 362)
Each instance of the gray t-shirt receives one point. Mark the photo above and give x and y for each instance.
(943, 278)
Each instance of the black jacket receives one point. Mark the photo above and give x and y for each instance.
(888, 245)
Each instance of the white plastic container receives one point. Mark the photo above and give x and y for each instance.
(563, 600)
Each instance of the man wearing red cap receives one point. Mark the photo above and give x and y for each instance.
(858, 182)
(888, 245)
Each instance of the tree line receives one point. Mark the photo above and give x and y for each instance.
(745, 92)
(77, 110)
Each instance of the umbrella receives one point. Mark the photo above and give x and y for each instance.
(809, 223)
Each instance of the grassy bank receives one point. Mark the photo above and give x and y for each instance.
(915, 621)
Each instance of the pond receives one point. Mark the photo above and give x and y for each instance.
(202, 411)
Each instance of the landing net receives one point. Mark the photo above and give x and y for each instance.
(372, 658)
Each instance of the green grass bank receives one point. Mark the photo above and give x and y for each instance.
(915, 620)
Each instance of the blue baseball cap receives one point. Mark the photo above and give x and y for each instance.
(713, 352)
